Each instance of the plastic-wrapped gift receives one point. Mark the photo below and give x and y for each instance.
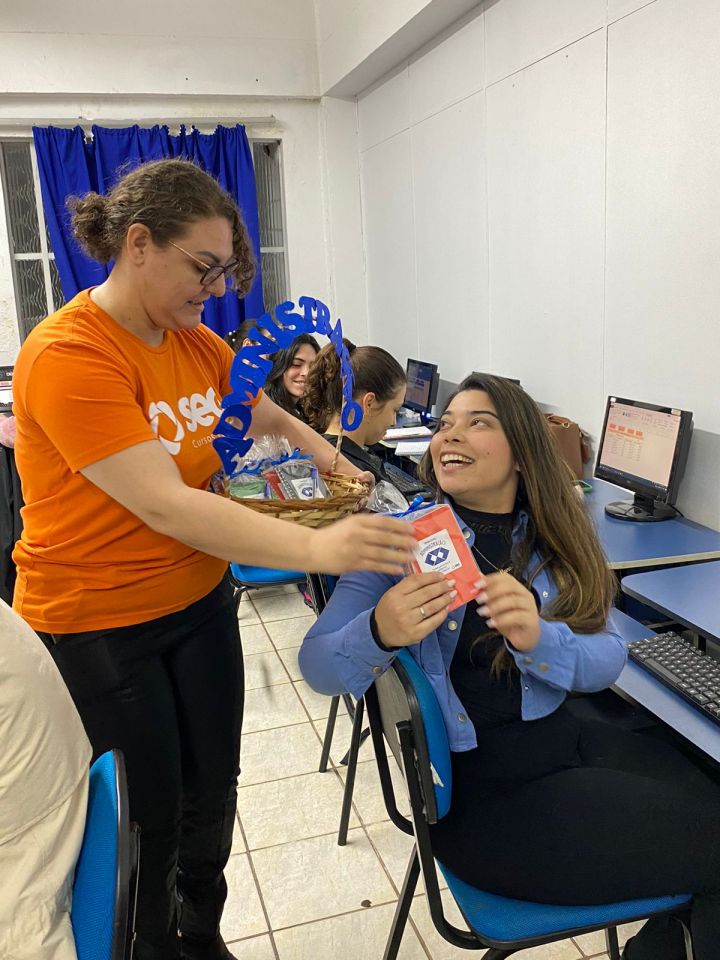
(299, 480)
(246, 486)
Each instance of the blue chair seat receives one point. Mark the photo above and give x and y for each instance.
(502, 919)
(263, 576)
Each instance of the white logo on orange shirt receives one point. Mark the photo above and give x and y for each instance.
(197, 411)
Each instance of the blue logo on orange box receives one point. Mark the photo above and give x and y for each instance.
(434, 557)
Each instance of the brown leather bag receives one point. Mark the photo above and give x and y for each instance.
(572, 443)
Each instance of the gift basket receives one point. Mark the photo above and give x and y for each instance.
(267, 475)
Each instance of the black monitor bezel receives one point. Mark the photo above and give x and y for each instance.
(432, 396)
(682, 446)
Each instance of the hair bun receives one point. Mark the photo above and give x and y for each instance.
(89, 222)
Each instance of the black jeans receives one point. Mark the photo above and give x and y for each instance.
(169, 693)
(570, 811)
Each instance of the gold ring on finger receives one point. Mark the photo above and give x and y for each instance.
(422, 613)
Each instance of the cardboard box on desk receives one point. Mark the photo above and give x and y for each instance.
(442, 548)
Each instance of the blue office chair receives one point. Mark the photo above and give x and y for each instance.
(245, 578)
(105, 885)
(403, 708)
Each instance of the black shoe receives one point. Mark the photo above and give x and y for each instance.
(205, 949)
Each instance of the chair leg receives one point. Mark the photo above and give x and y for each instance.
(402, 910)
(689, 952)
(329, 730)
(363, 737)
(611, 942)
(349, 705)
(239, 591)
(352, 757)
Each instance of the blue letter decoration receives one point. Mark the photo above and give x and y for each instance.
(251, 367)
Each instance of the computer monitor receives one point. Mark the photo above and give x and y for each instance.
(422, 386)
(643, 448)
(6, 389)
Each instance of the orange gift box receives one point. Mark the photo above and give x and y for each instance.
(442, 548)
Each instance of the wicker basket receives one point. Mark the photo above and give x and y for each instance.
(346, 496)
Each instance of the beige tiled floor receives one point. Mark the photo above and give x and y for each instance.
(293, 893)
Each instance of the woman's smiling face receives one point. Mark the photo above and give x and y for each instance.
(471, 455)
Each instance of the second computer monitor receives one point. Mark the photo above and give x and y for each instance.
(422, 386)
(643, 448)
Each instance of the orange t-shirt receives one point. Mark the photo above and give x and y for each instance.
(85, 388)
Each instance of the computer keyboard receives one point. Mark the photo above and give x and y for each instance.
(403, 481)
(692, 674)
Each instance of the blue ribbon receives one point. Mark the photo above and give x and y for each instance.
(416, 504)
(253, 467)
(231, 441)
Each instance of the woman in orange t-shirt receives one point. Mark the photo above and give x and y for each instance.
(122, 565)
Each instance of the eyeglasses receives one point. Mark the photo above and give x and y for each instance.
(212, 273)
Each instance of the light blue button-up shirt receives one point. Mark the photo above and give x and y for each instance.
(340, 655)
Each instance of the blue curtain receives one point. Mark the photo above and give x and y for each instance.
(70, 164)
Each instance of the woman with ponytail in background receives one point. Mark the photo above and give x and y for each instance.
(378, 386)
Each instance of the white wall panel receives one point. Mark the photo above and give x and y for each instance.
(663, 215)
(520, 32)
(385, 111)
(449, 72)
(621, 8)
(344, 216)
(451, 238)
(388, 216)
(545, 207)
(663, 248)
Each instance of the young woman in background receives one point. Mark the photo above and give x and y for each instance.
(286, 382)
(378, 386)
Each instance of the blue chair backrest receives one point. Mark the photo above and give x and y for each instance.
(264, 576)
(436, 738)
(95, 889)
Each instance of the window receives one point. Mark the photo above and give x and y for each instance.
(37, 283)
(271, 210)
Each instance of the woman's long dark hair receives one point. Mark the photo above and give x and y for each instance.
(558, 529)
(374, 371)
(282, 361)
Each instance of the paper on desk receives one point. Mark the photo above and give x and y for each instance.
(402, 433)
(411, 448)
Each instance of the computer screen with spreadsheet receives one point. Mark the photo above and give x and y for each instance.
(643, 448)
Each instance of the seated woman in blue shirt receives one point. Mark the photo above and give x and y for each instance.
(546, 807)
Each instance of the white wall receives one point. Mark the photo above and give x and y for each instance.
(541, 199)
(359, 40)
(343, 216)
(256, 47)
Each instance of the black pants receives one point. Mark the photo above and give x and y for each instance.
(169, 693)
(568, 811)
